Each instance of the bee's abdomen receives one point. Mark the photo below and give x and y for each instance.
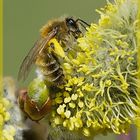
(50, 69)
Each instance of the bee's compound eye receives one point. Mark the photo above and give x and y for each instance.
(70, 22)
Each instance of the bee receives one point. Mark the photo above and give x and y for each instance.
(43, 53)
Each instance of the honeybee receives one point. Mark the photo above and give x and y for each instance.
(43, 53)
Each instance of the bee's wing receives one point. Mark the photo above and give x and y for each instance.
(30, 59)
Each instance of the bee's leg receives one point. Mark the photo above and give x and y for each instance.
(73, 33)
(53, 54)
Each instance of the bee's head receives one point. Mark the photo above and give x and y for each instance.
(73, 27)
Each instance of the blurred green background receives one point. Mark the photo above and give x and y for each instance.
(24, 18)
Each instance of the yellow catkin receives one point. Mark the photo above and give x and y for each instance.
(105, 94)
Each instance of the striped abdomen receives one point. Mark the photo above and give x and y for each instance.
(50, 68)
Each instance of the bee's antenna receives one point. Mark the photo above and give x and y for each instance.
(82, 21)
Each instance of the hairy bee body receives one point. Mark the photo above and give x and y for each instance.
(47, 61)
(62, 31)
(49, 67)
(45, 55)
